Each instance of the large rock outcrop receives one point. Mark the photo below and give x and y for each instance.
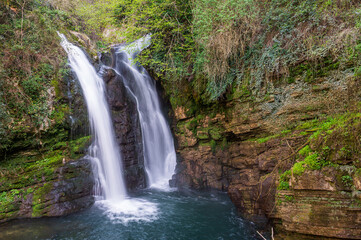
(50, 186)
(245, 146)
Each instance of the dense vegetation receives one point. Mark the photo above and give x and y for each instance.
(203, 51)
(33, 106)
(205, 47)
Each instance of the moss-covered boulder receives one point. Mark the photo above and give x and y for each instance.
(50, 186)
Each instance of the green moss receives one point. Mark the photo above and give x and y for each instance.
(305, 151)
(283, 186)
(202, 134)
(192, 125)
(298, 168)
(347, 181)
(313, 161)
(289, 198)
(79, 146)
(27, 192)
(239, 92)
(213, 145)
(283, 133)
(30, 168)
(8, 215)
(309, 72)
(215, 133)
(265, 139)
(224, 144)
(39, 198)
(9, 201)
(284, 181)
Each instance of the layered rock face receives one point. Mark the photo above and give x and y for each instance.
(315, 206)
(127, 130)
(246, 145)
(50, 187)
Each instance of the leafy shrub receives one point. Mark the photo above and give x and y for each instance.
(347, 180)
(283, 186)
(298, 168)
(313, 162)
(284, 180)
(305, 151)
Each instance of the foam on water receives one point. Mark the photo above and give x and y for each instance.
(129, 210)
(162, 185)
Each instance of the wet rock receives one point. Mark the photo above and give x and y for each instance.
(127, 130)
(70, 190)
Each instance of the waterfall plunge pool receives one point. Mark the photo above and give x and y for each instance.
(163, 215)
(146, 214)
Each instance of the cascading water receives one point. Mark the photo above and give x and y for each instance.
(158, 145)
(104, 151)
(116, 216)
(104, 146)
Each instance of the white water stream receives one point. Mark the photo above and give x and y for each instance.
(104, 151)
(158, 145)
(104, 146)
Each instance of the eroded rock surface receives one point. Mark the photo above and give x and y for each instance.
(246, 147)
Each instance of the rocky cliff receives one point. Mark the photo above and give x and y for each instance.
(289, 157)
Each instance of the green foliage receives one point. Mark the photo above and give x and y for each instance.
(289, 198)
(31, 59)
(298, 168)
(313, 161)
(97, 16)
(347, 181)
(202, 49)
(213, 145)
(284, 180)
(168, 22)
(305, 151)
(220, 30)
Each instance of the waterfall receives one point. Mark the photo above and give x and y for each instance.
(104, 149)
(158, 144)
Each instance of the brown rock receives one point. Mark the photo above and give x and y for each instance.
(180, 113)
(357, 182)
(313, 180)
(127, 130)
